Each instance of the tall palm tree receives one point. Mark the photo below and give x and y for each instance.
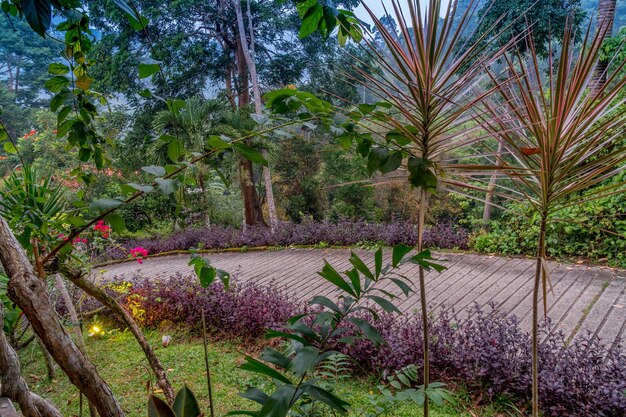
(193, 124)
(563, 138)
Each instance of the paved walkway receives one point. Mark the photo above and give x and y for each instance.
(585, 299)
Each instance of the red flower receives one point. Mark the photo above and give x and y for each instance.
(102, 228)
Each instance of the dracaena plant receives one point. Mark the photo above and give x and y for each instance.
(295, 373)
(565, 137)
(428, 77)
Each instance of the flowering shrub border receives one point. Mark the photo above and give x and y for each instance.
(488, 353)
(343, 233)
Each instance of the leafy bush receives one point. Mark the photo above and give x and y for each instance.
(307, 233)
(593, 230)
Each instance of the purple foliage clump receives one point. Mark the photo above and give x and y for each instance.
(342, 233)
(242, 311)
(488, 351)
(490, 354)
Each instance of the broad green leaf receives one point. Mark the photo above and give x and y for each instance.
(378, 261)
(166, 185)
(105, 203)
(273, 334)
(392, 162)
(370, 332)
(147, 70)
(275, 357)
(355, 280)
(185, 404)
(145, 93)
(9, 148)
(154, 170)
(331, 275)
(56, 68)
(259, 367)
(116, 222)
(311, 20)
(404, 287)
(280, 402)
(38, 14)
(175, 150)
(140, 187)
(255, 395)
(304, 361)
(399, 251)
(207, 276)
(360, 265)
(424, 259)
(328, 398)
(384, 304)
(57, 83)
(250, 154)
(421, 176)
(326, 302)
(217, 142)
(159, 408)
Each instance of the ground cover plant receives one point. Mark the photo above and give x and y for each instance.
(342, 233)
(579, 378)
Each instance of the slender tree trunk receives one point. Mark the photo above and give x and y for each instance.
(47, 359)
(490, 191)
(30, 294)
(112, 304)
(17, 76)
(606, 18)
(423, 302)
(248, 53)
(541, 252)
(13, 385)
(76, 325)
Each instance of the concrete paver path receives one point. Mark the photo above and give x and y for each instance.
(584, 299)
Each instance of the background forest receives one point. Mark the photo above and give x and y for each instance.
(311, 175)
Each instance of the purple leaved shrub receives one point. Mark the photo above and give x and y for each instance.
(243, 311)
(343, 233)
(487, 352)
(491, 355)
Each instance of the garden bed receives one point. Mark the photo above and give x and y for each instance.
(488, 353)
(343, 233)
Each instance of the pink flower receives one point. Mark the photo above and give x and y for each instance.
(138, 253)
(79, 239)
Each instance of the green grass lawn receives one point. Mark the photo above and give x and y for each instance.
(120, 361)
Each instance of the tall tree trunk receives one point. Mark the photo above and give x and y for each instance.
(606, 17)
(13, 385)
(30, 294)
(76, 324)
(248, 53)
(115, 307)
(252, 207)
(490, 190)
